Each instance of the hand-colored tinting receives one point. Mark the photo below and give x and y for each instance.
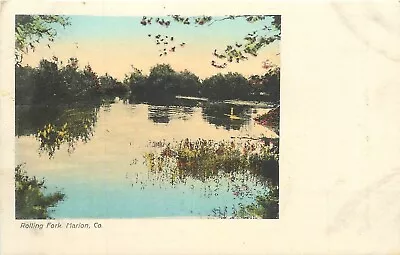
(112, 44)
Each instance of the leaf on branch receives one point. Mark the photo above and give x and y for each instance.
(253, 41)
(213, 63)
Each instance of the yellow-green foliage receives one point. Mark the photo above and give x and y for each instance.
(78, 126)
(204, 159)
(265, 207)
(30, 200)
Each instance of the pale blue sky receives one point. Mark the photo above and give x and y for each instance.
(112, 44)
(98, 27)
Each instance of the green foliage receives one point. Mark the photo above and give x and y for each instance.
(24, 85)
(72, 124)
(162, 80)
(267, 86)
(188, 83)
(31, 202)
(252, 42)
(57, 103)
(270, 119)
(135, 80)
(265, 207)
(111, 87)
(204, 159)
(162, 84)
(52, 82)
(228, 86)
(30, 29)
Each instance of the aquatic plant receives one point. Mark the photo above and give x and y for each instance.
(31, 202)
(205, 159)
(239, 162)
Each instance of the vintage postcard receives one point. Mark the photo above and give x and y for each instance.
(141, 121)
(166, 116)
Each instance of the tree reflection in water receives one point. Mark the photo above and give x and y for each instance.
(215, 113)
(159, 114)
(54, 125)
(164, 113)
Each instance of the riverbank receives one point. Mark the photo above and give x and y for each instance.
(270, 119)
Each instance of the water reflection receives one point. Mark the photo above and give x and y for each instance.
(107, 171)
(159, 114)
(248, 170)
(164, 113)
(54, 125)
(204, 160)
(216, 113)
(213, 112)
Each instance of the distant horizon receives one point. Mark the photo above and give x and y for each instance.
(114, 45)
(81, 66)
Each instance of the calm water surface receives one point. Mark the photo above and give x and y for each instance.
(106, 177)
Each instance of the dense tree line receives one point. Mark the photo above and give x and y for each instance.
(164, 83)
(52, 87)
(54, 83)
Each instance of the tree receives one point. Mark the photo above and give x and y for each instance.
(48, 83)
(54, 83)
(30, 29)
(110, 87)
(267, 86)
(271, 84)
(240, 88)
(229, 86)
(252, 42)
(189, 83)
(30, 200)
(136, 82)
(162, 81)
(250, 46)
(24, 87)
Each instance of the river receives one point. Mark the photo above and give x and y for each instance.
(101, 167)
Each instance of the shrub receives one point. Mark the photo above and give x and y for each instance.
(31, 202)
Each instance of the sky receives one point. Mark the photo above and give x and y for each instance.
(114, 44)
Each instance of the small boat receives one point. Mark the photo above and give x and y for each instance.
(232, 116)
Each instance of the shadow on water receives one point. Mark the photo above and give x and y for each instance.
(216, 113)
(54, 125)
(231, 171)
(162, 111)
